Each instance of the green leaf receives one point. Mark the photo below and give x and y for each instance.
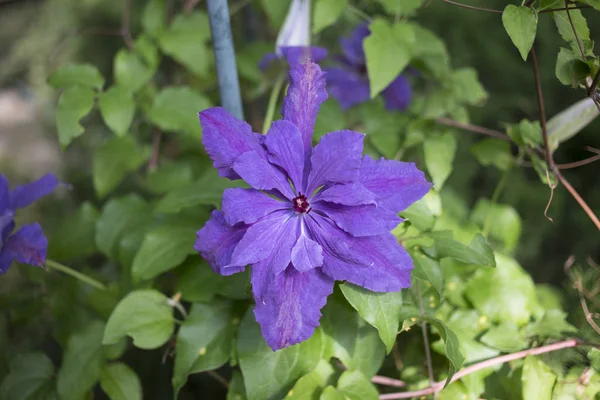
(384, 129)
(84, 75)
(401, 8)
(270, 374)
(552, 325)
(74, 237)
(421, 214)
(176, 108)
(117, 109)
(569, 122)
(145, 315)
(154, 17)
(82, 362)
(185, 39)
(467, 88)
(204, 340)
(326, 12)
(331, 393)
(31, 377)
(520, 24)
(565, 29)
(431, 50)
(276, 11)
(237, 389)
(355, 386)
(478, 252)
(505, 337)
(73, 104)
(169, 176)
(114, 160)
(381, 310)
(120, 382)
(570, 69)
(329, 119)
(537, 378)
(493, 152)
(526, 133)
(594, 356)
(197, 281)
(119, 217)
(312, 384)
(349, 338)
(388, 50)
(428, 270)
(131, 70)
(503, 221)
(452, 345)
(505, 293)
(439, 155)
(163, 248)
(207, 191)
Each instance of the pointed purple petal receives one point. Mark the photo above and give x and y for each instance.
(290, 309)
(284, 145)
(377, 263)
(306, 253)
(348, 87)
(367, 220)
(271, 237)
(349, 194)
(28, 245)
(261, 174)
(398, 94)
(352, 46)
(300, 54)
(4, 194)
(336, 159)
(266, 61)
(303, 100)
(226, 138)
(24, 195)
(396, 184)
(248, 205)
(216, 242)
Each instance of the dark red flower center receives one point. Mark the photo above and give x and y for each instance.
(301, 204)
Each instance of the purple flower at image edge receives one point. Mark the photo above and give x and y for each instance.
(27, 245)
(311, 216)
(349, 83)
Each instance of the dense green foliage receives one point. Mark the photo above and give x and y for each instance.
(125, 109)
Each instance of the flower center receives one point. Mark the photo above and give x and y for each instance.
(301, 205)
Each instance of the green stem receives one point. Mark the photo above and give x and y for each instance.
(273, 103)
(494, 199)
(77, 275)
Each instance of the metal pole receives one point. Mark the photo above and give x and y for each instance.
(229, 85)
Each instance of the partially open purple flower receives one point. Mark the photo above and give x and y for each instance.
(28, 245)
(312, 216)
(349, 83)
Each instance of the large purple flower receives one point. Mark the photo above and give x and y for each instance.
(312, 216)
(349, 83)
(28, 245)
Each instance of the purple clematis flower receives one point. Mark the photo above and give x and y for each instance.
(311, 216)
(349, 83)
(28, 245)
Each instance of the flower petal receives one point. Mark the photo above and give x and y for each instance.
(349, 194)
(396, 184)
(352, 46)
(349, 88)
(216, 242)
(284, 146)
(301, 54)
(248, 205)
(4, 194)
(28, 245)
(24, 195)
(398, 94)
(303, 100)
(306, 253)
(377, 263)
(289, 311)
(366, 220)
(226, 138)
(7, 224)
(296, 27)
(266, 61)
(261, 174)
(271, 237)
(336, 159)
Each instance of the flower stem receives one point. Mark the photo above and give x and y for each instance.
(77, 275)
(273, 103)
